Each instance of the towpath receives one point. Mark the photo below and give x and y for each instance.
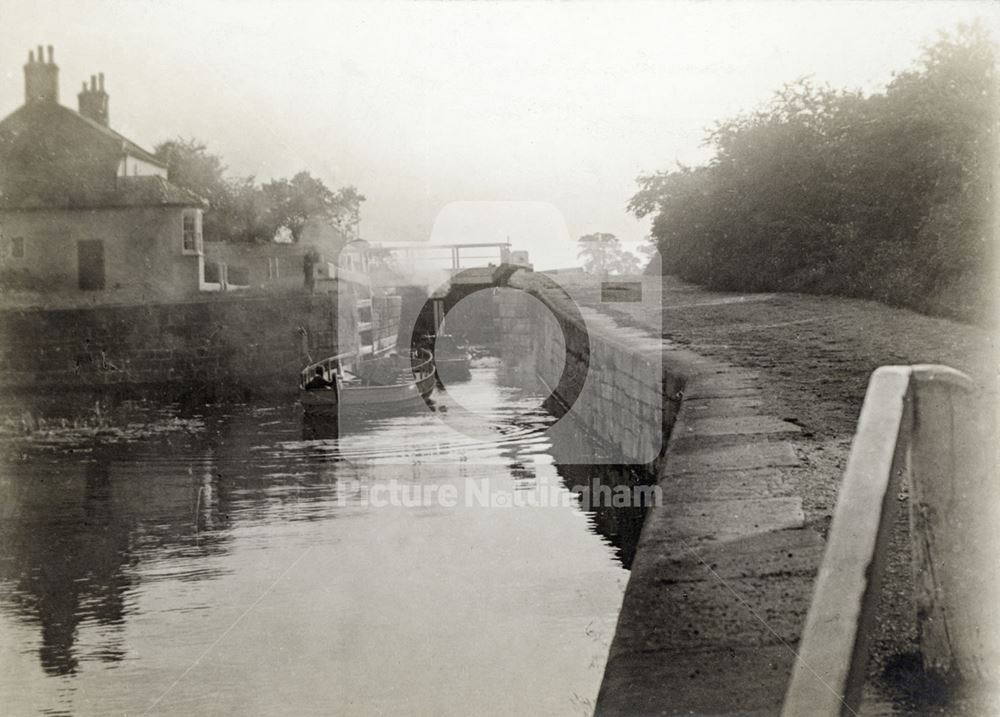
(725, 571)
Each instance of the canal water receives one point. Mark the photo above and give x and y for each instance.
(162, 559)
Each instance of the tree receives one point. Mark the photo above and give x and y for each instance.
(234, 209)
(347, 209)
(292, 203)
(886, 196)
(595, 250)
(242, 211)
(192, 166)
(625, 262)
(238, 216)
(603, 254)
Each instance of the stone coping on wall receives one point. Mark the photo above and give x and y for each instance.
(142, 296)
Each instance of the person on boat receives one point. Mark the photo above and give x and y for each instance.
(309, 262)
(319, 381)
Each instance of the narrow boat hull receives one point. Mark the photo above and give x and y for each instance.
(451, 359)
(354, 399)
(453, 369)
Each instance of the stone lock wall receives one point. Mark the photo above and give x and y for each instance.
(254, 344)
(626, 399)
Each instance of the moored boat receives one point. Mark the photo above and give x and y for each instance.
(451, 359)
(370, 385)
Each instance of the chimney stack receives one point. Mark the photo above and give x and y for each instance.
(41, 77)
(94, 100)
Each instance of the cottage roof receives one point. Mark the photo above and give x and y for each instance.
(131, 147)
(54, 157)
(147, 191)
(155, 191)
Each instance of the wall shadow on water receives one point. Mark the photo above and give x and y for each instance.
(614, 499)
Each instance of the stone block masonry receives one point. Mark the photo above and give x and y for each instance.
(224, 346)
(721, 581)
(608, 377)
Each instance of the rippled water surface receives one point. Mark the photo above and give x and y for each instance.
(233, 560)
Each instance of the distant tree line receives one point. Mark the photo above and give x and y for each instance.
(887, 196)
(241, 210)
(603, 254)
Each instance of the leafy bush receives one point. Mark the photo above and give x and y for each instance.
(887, 196)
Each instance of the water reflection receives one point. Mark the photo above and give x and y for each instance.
(61, 577)
(318, 428)
(74, 530)
(133, 542)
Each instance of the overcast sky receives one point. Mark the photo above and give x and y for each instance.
(550, 108)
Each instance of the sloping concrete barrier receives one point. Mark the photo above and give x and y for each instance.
(917, 426)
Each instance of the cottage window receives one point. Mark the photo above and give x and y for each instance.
(192, 243)
(17, 247)
(213, 273)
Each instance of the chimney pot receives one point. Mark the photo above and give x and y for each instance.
(51, 55)
(94, 100)
(41, 78)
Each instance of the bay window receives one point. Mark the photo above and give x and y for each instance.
(191, 238)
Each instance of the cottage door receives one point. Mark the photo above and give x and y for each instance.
(90, 263)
